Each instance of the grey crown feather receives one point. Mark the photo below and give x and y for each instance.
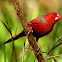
(43, 17)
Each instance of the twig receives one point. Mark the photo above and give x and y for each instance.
(9, 30)
(55, 46)
(58, 40)
(23, 51)
(6, 19)
(27, 29)
(6, 27)
(55, 60)
(23, 54)
(53, 57)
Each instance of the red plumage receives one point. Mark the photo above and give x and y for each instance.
(41, 26)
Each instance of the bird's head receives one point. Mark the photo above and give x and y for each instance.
(52, 18)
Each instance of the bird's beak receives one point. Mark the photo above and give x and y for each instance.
(58, 17)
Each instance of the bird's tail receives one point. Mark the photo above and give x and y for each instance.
(15, 37)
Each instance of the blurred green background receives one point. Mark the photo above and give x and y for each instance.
(31, 10)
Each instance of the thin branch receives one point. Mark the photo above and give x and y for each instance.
(55, 46)
(23, 54)
(53, 57)
(6, 19)
(23, 51)
(9, 30)
(27, 29)
(6, 27)
(55, 60)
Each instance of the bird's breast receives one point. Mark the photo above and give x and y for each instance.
(41, 28)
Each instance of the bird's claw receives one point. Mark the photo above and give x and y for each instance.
(30, 30)
(37, 52)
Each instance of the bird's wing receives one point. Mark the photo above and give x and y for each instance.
(34, 21)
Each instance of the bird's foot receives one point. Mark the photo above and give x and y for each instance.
(30, 30)
(37, 52)
(40, 49)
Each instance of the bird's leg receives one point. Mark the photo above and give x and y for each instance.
(39, 45)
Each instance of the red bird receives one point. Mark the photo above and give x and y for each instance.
(41, 26)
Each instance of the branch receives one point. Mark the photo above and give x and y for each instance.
(27, 29)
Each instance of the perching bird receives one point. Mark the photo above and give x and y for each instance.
(41, 26)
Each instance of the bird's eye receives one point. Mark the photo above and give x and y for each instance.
(53, 15)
